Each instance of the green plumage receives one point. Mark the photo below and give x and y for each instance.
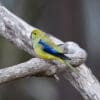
(46, 49)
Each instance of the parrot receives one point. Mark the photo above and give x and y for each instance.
(46, 49)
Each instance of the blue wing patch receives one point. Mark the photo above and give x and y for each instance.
(50, 50)
(47, 48)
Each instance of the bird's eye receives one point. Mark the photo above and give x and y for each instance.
(35, 33)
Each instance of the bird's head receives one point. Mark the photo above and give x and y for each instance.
(36, 34)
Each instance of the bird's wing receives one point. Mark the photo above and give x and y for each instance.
(49, 42)
(49, 49)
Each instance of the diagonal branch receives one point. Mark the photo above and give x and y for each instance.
(18, 32)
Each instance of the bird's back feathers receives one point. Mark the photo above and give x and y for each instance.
(47, 48)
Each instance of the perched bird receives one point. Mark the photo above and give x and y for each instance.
(47, 50)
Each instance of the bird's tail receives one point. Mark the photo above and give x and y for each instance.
(73, 69)
(70, 66)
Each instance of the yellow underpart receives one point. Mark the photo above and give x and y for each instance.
(46, 56)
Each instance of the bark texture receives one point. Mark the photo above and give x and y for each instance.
(18, 32)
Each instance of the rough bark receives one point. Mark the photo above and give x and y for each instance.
(18, 32)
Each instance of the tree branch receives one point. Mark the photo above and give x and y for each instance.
(34, 66)
(18, 32)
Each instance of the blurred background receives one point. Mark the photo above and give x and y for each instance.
(69, 20)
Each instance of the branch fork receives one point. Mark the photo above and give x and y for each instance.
(18, 32)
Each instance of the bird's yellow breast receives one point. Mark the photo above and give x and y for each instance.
(40, 53)
(43, 55)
